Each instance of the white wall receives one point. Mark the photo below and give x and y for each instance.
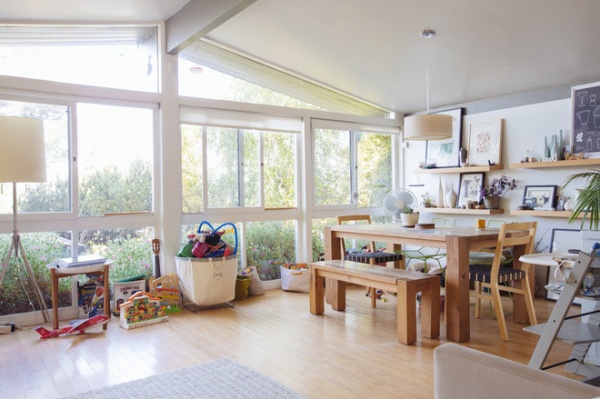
(524, 128)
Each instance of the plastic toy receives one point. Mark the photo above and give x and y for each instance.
(140, 310)
(167, 289)
(77, 327)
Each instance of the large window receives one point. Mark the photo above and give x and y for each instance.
(116, 57)
(115, 159)
(351, 167)
(54, 194)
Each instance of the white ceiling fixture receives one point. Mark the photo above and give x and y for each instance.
(428, 126)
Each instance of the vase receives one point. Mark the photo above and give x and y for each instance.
(409, 219)
(554, 148)
(569, 204)
(463, 157)
(450, 198)
(491, 202)
(546, 148)
(440, 197)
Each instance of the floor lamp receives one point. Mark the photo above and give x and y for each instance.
(22, 160)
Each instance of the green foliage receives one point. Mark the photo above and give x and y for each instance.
(588, 201)
(132, 255)
(16, 292)
(109, 190)
(50, 197)
(270, 244)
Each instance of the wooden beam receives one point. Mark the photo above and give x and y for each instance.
(197, 18)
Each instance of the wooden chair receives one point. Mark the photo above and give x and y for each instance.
(492, 277)
(373, 257)
(426, 254)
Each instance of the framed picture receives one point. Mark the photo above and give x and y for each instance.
(445, 153)
(540, 197)
(470, 188)
(585, 101)
(562, 240)
(485, 142)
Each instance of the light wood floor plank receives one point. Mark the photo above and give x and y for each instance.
(350, 354)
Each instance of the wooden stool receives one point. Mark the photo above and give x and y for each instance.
(57, 272)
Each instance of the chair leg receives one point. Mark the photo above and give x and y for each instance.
(529, 303)
(373, 297)
(477, 299)
(497, 301)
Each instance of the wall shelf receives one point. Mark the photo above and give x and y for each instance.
(557, 164)
(462, 169)
(549, 214)
(460, 211)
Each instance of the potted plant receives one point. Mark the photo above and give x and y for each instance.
(426, 200)
(588, 200)
(497, 188)
(409, 217)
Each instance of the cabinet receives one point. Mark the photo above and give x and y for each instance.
(569, 329)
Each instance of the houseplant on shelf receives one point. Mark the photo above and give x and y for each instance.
(497, 188)
(588, 200)
(409, 217)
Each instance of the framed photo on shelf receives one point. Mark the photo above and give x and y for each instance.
(586, 120)
(540, 197)
(445, 153)
(470, 188)
(485, 142)
(562, 240)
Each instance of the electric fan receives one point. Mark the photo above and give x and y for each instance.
(396, 200)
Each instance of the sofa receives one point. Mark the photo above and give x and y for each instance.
(463, 373)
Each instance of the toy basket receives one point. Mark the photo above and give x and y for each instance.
(210, 281)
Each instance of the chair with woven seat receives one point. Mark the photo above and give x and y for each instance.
(495, 276)
(373, 257)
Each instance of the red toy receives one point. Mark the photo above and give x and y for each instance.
(78, 327)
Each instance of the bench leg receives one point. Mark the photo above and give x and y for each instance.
(317, 292)
(407, 312)
(338, 297)
(430, 309)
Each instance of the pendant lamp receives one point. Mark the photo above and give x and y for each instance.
(428, 126)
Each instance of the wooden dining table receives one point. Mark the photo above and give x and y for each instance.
(457, 241)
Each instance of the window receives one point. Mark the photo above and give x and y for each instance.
(54, 194)
(107, 56)
(115, 158)
(351, 167)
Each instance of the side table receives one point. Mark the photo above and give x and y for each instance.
(59, 272)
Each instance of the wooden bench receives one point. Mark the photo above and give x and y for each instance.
(403, 282)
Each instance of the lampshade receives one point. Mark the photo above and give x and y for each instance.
(22, 154)
(428, 127)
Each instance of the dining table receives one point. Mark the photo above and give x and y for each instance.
(457, 241)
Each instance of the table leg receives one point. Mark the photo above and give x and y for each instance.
(317, 292)
(457, 289)
(333, 250)
(106, 296)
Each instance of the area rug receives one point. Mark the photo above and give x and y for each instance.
(222, 378)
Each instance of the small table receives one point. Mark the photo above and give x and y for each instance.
(59, 272)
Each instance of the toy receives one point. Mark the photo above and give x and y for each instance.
(140, 310)
(78, 327)
(167, 289)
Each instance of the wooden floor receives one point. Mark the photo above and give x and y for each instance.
(351, 354)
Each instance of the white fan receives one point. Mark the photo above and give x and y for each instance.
(396, 200)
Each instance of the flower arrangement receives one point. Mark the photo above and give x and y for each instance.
(499, 186)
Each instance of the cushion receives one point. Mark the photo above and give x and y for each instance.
(379, 256)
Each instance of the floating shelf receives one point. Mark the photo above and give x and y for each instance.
(460, 211)
(557, 164)
(462, 169)
(548, 214)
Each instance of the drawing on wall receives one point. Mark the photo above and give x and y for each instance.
(586, 120)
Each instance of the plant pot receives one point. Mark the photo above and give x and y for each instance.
(409, 219)
(491, 202)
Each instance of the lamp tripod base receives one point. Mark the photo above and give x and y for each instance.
(17, 246)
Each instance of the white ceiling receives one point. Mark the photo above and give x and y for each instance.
(372, 49)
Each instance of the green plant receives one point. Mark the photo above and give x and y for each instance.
(588, 201)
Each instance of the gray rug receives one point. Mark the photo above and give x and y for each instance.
(222, 378)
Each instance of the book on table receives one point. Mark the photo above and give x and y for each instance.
(83, 260)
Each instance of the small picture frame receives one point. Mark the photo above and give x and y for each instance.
(470, 188)
(485, 142)
(445, 153)
(540, 197)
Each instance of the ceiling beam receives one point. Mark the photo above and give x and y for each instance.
(197, 18)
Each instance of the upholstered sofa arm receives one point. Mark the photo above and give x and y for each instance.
(463, 373)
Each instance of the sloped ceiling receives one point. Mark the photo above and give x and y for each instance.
(372, 50)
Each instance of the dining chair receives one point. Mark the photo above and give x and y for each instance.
(425, 254)
(372, 256)
(495, 276)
